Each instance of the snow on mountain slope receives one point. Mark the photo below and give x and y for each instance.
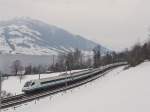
(119, 91)
(28, 36)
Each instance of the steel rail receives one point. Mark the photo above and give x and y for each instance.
(23, 98)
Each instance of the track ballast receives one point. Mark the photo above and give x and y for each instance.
(23, 98)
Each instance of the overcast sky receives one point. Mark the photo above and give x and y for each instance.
(116, 24)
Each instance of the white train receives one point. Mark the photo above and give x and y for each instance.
(62, 80)
(51, 82)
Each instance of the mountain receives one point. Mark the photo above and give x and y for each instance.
(34, 37)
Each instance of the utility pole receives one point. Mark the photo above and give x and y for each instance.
(53, 60)
(39, 75)
(66, 69)
(0, 90)
(66, 76)
(52, 64)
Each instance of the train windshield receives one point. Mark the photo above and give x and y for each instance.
(27, 84)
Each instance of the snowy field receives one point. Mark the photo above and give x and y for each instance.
(14, 85)
(118, 91)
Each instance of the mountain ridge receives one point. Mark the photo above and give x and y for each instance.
(29, 36)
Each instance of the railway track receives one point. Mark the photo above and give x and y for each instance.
(23, 98)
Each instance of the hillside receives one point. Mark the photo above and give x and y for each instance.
(34, 37)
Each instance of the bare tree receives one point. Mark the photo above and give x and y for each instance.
(88, 62)
(16, 67)
(28, 69)
(97, 56)
(77, 57)
(107, 59)
(69, 61)
(135, 55)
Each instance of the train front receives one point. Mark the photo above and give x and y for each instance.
(27, 87)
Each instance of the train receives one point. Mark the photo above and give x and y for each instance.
(43, 83)
(62, 80)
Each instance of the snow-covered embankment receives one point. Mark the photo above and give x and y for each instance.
(119, 91)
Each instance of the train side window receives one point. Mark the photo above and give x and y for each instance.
(32, 84)
(27, 84)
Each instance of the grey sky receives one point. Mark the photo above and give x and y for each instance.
(116, 24)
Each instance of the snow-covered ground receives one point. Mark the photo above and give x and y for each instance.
(119, 91)
(14, 85)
